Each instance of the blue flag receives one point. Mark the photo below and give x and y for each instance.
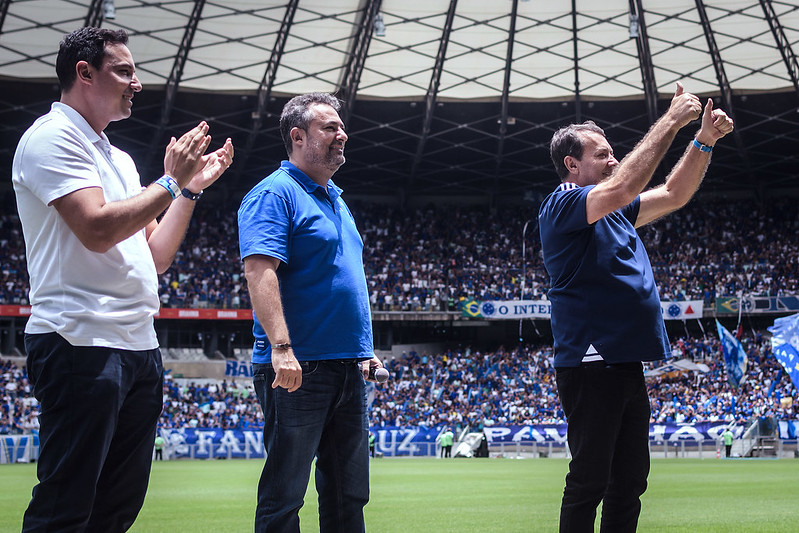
(785, 345)
(734, 356)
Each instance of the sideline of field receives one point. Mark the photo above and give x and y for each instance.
(463, 495)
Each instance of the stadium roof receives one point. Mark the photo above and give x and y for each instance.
(442, 98)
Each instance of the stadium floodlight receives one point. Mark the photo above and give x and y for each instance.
(380, 27)
(109, 11)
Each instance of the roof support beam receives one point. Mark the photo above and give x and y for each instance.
(577, 103)
(3, 12)
(724, 84)
(432, 91)
(783, 43)
(357, 59)
(645, 61)
(172, 83)
(503, 118)
(268, 82)
(94, 17)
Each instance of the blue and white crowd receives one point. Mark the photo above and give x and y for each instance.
(433, 258)
(464, 387)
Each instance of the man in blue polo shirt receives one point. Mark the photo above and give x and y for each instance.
(606, 315)
(303, 260)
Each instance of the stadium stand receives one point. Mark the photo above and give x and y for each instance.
(431, 258)
(470, 388)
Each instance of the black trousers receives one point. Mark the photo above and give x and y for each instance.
(99, 410)
(607, 409)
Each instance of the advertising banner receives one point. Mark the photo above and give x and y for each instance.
(757, 304)
(518, 309)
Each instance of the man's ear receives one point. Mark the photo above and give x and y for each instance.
(571, 164)
(297, 135)
(83, 71)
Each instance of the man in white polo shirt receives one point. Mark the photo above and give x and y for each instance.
(94, 248)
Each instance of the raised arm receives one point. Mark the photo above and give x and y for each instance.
(636, 169)
(684, 179)
(164, 238)
(100, 225)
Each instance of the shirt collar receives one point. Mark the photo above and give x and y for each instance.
(567, 186)
(77, 119)
(333, 190)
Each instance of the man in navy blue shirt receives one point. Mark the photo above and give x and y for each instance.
(303, 260)
(606, 316)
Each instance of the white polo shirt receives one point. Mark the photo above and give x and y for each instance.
(89, 298)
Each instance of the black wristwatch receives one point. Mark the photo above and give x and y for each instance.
(190, 195)
(281, 346)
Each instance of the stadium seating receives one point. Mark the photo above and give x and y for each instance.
(462, 388)
(432, 258)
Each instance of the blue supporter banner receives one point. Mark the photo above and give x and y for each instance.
(393, 441)
(238, 369)
(785, 345)
(734, 356)
(19, 448)
(788, 429)
(213, 443)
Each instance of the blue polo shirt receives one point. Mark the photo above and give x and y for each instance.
(322, 282)
(603, 293)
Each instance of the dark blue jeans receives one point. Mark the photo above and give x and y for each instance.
(607, 409)
(99, 409)
(325, 418)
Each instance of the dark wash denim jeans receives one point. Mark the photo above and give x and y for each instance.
(607, 409)
(99, 409)
(325, 418)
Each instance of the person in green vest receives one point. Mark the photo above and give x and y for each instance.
(728, 438)
(371, 444)
(446, 439)
(159, 447)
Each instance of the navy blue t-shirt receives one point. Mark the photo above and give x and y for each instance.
(603, 293)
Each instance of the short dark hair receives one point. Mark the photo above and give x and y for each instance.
(569, 141)
(297, 113)
(84, 44)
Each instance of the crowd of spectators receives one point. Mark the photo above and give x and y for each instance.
(460, 388)
(19, 410)
(433, 258)
(210, 404)
(464, 387)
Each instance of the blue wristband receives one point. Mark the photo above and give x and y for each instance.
(169, 183)
(703, 147)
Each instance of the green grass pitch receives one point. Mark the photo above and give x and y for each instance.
(460, 495)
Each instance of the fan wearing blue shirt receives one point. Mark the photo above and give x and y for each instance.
(303, 260)
(606, 316)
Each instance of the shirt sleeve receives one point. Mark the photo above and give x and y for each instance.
(264, 226)
(56, 162)
(630, 211)
(567, 210)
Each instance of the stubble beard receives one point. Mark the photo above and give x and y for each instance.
(331, 159)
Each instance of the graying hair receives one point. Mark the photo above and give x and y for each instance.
(297, 113)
